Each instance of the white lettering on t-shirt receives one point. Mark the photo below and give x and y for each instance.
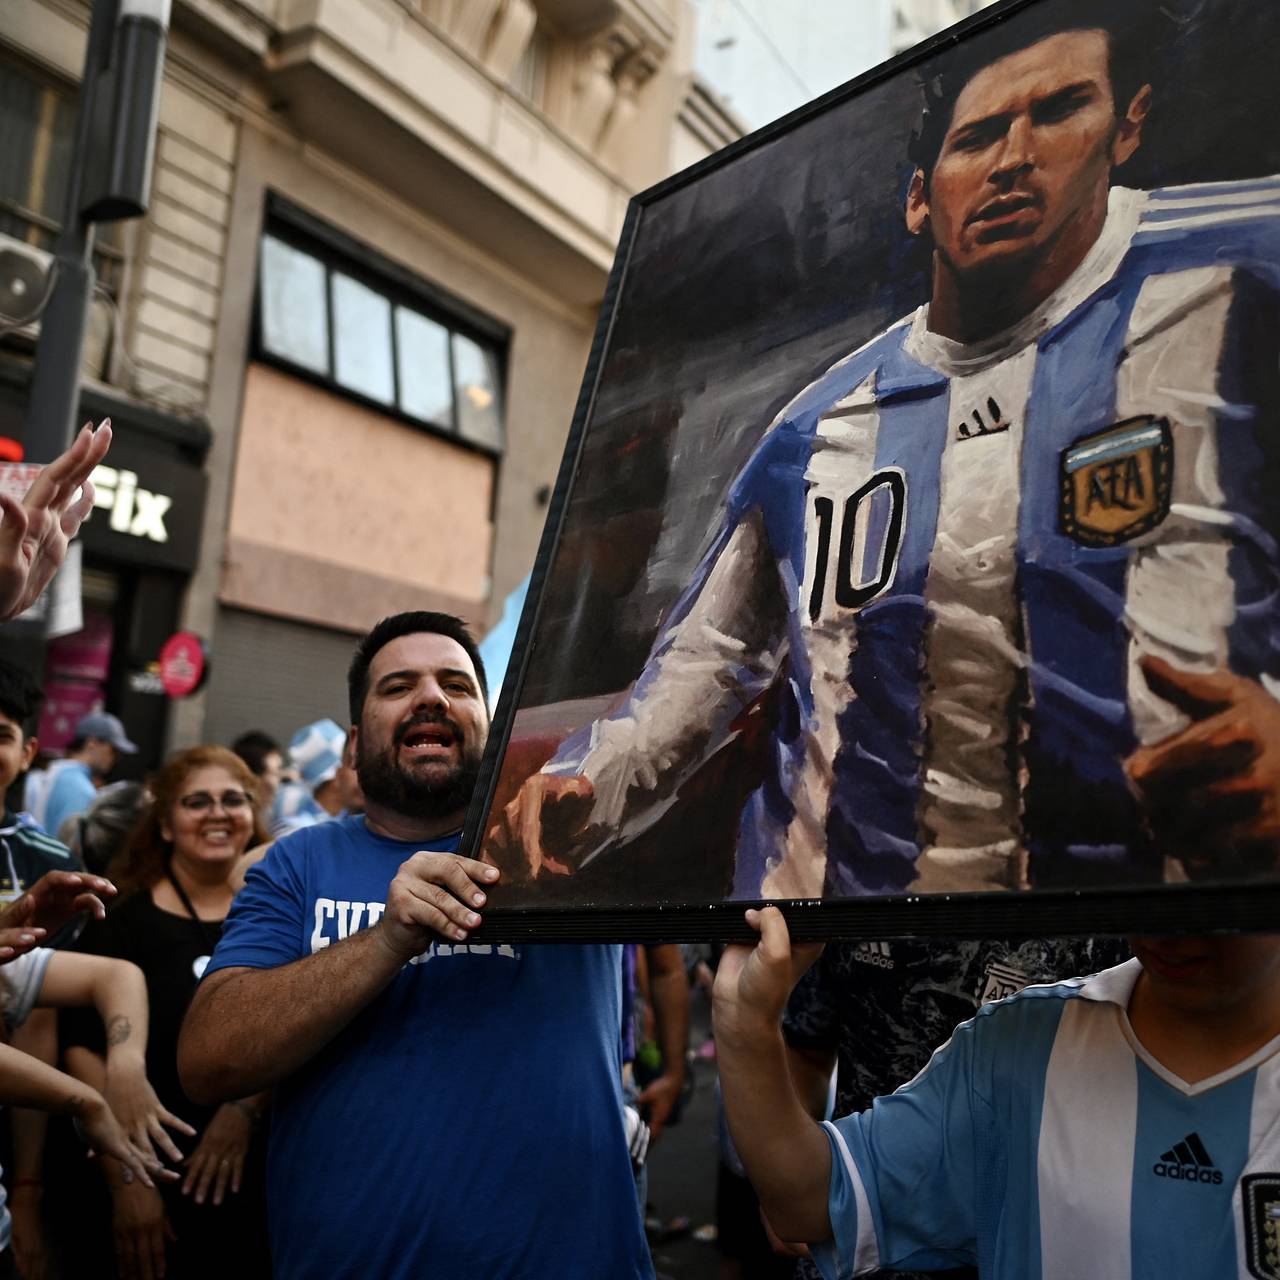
(336, 919)
(324, 909)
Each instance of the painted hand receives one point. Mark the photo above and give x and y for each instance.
(539, 829)
(1212, 791)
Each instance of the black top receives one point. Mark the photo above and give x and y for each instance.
(171, 951)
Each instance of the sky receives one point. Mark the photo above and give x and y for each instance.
(765, 57)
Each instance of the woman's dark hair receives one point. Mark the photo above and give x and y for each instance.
(407, 624)
(146, 852)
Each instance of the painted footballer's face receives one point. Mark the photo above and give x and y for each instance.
(1025, 165)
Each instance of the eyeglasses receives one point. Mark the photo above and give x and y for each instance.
(202, 801)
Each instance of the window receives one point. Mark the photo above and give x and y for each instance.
(362, 339)
(37, 122)
(294, 324)
(367, 328)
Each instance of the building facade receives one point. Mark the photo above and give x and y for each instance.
(343, 348)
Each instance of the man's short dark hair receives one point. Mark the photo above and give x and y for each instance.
(20, 697)
(1130, 28)
(253, 747)
(407, 624)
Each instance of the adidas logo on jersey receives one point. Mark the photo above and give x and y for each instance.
(979, 424)
(873, 953)
(1188, 1161)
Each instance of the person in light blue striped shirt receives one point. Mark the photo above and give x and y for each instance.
(1124, 1126)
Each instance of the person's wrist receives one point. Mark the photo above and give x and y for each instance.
(87, 1105)
(248, 1110)
(399, 951)
(126, 1057)
(735, 1026)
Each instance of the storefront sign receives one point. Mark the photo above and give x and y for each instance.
(183, 664)
(134, 510)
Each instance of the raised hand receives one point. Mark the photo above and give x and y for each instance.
(34, 532)
(753, 983)
(52, 901)
(141, 1114)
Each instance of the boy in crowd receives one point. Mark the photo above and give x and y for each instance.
(26, 850)
(1124, 1126)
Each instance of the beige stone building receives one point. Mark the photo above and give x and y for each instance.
(343, 348)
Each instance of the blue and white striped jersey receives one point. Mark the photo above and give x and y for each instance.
(1042, 1142)
(956, 555)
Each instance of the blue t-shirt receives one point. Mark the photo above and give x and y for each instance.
(69, 791)
(468, 1122)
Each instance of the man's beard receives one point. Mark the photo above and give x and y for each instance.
(386, 782)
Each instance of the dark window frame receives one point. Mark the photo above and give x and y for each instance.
(336, 251)
(39, 228)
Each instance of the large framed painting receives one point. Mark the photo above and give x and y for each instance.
(915, 557)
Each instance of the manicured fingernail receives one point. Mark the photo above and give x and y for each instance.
(491, 873)
(472, 919)
(459, 934)
(478, 899)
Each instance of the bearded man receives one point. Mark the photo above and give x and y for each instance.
(440, 1108)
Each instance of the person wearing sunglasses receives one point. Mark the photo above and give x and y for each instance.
(174, 876)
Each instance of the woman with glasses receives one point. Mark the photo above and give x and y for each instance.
(174, 878)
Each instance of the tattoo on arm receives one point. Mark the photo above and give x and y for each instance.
(119, 1029)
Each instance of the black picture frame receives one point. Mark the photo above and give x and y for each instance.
(1223, 38)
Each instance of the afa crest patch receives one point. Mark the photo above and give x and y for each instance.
(1260, 1201)
(1116, 484)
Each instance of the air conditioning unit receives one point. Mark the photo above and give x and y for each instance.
(24, 286)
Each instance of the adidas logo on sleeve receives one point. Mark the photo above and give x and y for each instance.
(1188, 1161)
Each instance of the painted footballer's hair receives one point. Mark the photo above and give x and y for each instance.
(408, 624)
(1127, 24)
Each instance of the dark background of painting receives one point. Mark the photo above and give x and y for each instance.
(746, 283)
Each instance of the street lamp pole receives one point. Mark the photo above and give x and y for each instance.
(109, 179)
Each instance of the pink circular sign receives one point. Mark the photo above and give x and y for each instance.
(182, 664)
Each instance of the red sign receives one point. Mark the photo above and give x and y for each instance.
(182, 664)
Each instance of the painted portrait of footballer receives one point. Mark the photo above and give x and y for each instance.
(925, 535)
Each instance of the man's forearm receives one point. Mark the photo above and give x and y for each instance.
(669, 991)
(248, 1029)
(783, 1150)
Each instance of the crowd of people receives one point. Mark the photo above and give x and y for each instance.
(276, 1030)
